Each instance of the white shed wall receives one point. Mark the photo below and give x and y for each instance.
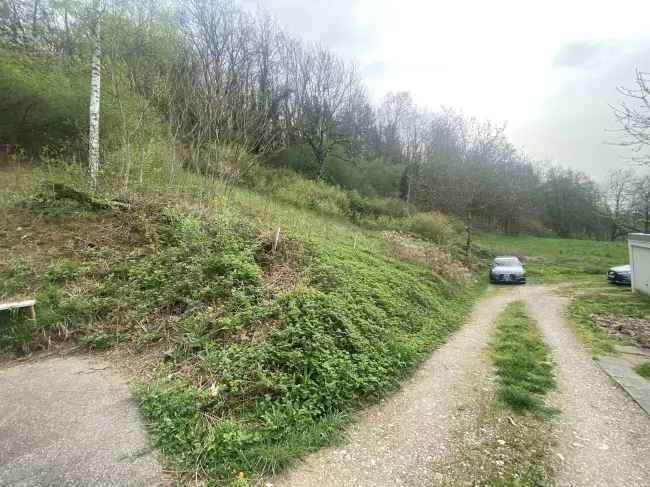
(639, 247)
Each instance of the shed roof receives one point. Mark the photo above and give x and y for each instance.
(639, 237)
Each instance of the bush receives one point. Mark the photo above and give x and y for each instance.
(42, 101)
(434, 227)
(295, 159)
(363, 208)
(289, 187)
(44, 108)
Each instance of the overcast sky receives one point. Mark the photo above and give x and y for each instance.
(547, 69)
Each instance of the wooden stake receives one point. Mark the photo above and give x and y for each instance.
(276, 241)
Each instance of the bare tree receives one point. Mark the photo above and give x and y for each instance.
(414, 132)
(641, 203)
(391, 114)
(618, 196)
(633, 116)
(323, 85)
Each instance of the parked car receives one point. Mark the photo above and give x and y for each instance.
(620, 275)
(506, 269)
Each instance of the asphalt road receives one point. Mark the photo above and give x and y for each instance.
(68, 422)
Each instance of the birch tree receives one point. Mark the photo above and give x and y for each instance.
(95, 98)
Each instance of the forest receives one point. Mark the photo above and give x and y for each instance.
(211, 87)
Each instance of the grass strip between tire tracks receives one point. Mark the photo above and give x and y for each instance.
(523, 366)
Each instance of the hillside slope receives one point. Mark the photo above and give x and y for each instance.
(247, 356)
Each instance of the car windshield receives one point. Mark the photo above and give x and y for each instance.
(507, 261)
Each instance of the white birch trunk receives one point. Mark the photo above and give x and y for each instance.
(95, 96)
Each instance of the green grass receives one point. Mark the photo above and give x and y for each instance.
(603, 300)
(522, 362)
(553, 260)
(643, 369)
(265, 354)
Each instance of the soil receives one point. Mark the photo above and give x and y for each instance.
(626, 328)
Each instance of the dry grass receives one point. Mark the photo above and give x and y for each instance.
(410, 249)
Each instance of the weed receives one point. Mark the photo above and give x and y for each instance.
(643, 369)
(14, 278)
(438, 258)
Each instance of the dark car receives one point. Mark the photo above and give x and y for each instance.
(507, 270)
(620, 275)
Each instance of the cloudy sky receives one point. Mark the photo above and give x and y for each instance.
(549, 70)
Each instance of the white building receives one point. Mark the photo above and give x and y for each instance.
(639, 245)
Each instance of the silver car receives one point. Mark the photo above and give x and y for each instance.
(508, 270)
(620, 275)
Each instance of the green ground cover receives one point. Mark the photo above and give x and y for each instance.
(260, 355)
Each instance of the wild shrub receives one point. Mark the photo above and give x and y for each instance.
(289, 187)
(230, 163)
(371, 178)
(432, 226)
(361, 208)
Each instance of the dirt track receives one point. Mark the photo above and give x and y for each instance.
(407, 440)
(604, 436)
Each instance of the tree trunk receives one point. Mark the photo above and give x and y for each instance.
(35, 20)
(95, 96)
(322, 160)
(468, 242)
(409, 187)
(613, 235)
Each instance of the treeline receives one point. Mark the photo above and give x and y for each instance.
(205, 84)
(628, 202)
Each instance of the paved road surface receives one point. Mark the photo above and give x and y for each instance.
(71, 422)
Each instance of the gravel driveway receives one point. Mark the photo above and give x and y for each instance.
(408, 439)
(604, 436)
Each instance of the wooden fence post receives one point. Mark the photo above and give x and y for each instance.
(276, 240)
